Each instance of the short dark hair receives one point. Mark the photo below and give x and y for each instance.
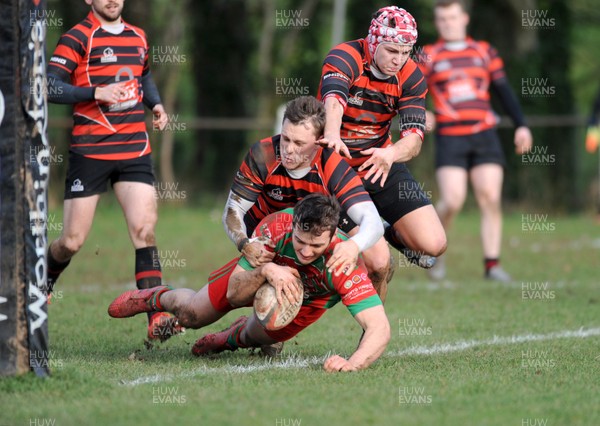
(306, 109)
(317, 213)
(446, 3)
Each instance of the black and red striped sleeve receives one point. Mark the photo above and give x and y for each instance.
(411, 109)
(250, 177)
(340, 68)
(69, 52)
(342, 181)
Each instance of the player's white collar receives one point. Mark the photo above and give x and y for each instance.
(378, 74)
(298, 173)
(456, 45)
(114, 28)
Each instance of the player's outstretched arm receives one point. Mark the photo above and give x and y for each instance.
(63, 92)
(523, 139)
(334, 111)
(377, 335)
(370, 229)
(254, 250)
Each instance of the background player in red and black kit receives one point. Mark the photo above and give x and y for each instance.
(304, 239)
(365, 83)
(459, 72)
(281, 170)
(101, 66)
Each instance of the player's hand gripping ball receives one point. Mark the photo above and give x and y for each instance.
(271, 314)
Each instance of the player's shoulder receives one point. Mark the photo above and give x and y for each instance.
(275, 226)
(481, 46)
(348, 57)
(484, 49)
(138, 30)
(281, 216)
(433, 49)
(478, 43)
(83, 29)
(355, 47)
(410, 75)
(266, 151)
(328, 156)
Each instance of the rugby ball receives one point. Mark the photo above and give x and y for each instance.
(270, 313)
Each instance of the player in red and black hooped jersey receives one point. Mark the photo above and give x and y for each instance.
(101, 67)
(304, 238)
(263, 178)
(460, 72)
(364, 84)
(279, 171)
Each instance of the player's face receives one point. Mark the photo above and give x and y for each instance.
(390, 57)
(309, 247)
(298, 145)
(451, 22)
(107, 10)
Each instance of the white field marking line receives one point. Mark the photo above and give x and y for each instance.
(462, 345)
(295, 361)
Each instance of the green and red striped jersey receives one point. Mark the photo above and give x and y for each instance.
(321, 288)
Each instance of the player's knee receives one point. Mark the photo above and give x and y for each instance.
(379, 271)
(440, 246)
(437, 246)
(69, 245)
(489, 200)
(452, 205)
(188, 319)
(145, 232)
(434, 246)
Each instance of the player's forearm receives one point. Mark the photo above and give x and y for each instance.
(407, 148)
(243, 286)
(334, 111)
(151, 95)
(233, 219)
(370, 230)
(509, 101)
(62, 92)
(372, 345)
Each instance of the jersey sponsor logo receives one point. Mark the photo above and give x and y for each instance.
(276, 194)
(356, 279)
(335, 74)
(77, 186)
(130, 96)
(358, 292)
(356, 100)
(129, 99)
(347, 284)
(461, 90)
(108, 56)
(58, 60)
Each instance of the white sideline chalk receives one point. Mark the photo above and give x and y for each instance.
(296, 362)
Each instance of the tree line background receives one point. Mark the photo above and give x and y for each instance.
(223, 67)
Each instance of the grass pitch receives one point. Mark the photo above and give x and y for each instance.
(463, 351)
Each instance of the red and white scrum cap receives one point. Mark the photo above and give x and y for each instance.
(391, 24)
